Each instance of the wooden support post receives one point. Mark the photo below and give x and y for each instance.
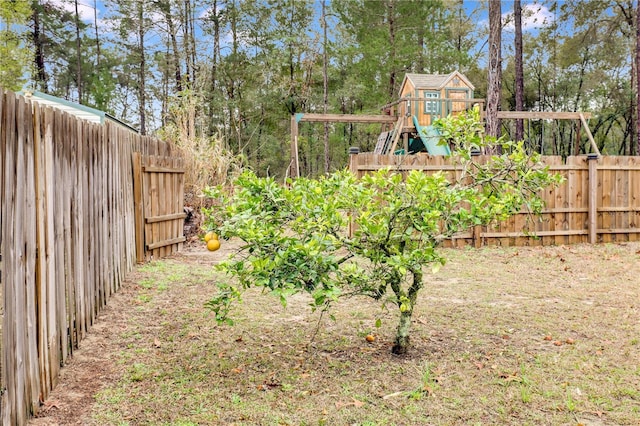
(593, 193)
(353, 167)
(589, 135)
(294, 168)
(576, 150)
(353, 159)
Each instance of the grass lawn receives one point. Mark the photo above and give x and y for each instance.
(526, 336)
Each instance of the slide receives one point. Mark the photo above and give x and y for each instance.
(430, 137)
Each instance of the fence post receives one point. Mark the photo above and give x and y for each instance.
(294, 165)
(592, 159)
(353, 159)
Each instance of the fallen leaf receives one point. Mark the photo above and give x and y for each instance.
(236, 370)
(353, 403)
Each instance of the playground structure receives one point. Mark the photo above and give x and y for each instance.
(423, 99)
(407, 123)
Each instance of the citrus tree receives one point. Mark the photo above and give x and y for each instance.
(341, 236)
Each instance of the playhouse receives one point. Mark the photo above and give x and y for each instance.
(432, 96)
(423, 98)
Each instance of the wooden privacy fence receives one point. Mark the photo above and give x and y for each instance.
(67, 238)
(599, 200)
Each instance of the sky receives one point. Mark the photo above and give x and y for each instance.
(535, 15)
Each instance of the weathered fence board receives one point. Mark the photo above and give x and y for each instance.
(67, 222)
(612, 199)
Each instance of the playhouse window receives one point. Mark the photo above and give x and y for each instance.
(431, 107)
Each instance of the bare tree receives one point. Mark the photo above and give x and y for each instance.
(495, 68)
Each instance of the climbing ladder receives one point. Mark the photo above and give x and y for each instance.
(387, 141)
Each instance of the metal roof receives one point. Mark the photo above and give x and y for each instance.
(81, 111)
(433, 81)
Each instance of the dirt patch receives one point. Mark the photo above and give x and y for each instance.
(501, 336)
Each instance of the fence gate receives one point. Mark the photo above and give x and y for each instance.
(158, 188)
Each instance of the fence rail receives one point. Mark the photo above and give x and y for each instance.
(599, 200)
(67, 239)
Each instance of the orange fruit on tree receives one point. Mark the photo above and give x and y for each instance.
(210, 236)
(213, 245)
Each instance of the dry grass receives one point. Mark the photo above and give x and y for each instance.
(480, 354)
(208, 161)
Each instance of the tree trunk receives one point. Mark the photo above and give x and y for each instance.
(166, 10)
(78, 55)
(95, 24)
(517, 13)
(637, 151)
(41, 74)
(392, 45)
(495, 68)
(325, 86)
(402, 334)
(404, 326)
(186, 45)
(142, 70)
(214, 68)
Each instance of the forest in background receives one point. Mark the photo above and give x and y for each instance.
(231, 72)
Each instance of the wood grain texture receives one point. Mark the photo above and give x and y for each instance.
(67, 202)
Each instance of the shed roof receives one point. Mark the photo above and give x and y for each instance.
(81, 111)
(433, 81)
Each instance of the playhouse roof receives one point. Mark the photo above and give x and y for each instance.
(81, 111)
(433, 81)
